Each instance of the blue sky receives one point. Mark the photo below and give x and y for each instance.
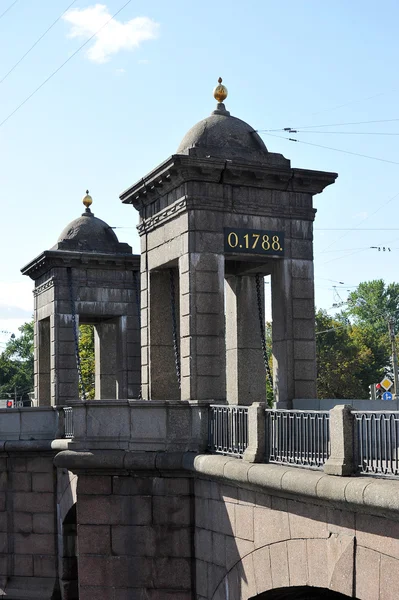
(122, 104)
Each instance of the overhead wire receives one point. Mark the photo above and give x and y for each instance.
(63, 64)
(288, 129)
(362, 221)
(289, 139)
(345, 132)
(7, 9)
(36, 42)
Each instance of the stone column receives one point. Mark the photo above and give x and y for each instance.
(63, 368)
(294, 355)
(163, 383)
(341, 461)
(42, 362)
(202, 327)
(256, 433)
(105, 352)
(133, 351)
(283, 334)
(246, 377)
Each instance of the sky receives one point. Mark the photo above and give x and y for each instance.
(120, 105)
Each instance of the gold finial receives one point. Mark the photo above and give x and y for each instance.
(220, 91)
(87, 200)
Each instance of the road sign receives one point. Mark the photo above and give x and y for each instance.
(387, 396)
(386, 383)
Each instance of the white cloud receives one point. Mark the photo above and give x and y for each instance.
(112, 38)
(120, 72)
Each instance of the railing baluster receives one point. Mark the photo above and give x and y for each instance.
(377, 435)
(297, 437)
(228, 430)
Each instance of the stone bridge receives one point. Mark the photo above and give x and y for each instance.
(153, 492)
(121, 521)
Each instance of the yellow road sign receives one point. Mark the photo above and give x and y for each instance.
(386, 383)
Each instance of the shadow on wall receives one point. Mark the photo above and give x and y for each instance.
(68, 559)
(253, 546)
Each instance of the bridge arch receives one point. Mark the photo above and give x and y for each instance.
(256, 576)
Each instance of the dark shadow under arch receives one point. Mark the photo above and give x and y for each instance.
(300, 593)
(68, 557)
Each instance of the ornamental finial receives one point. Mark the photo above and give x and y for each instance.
(220, 91)
(87, 200)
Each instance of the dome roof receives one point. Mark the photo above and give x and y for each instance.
(222, 136)
(89, 234)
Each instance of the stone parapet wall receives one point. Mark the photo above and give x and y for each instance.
(140, 425)
(27, 424)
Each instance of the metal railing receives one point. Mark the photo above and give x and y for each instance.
(68, 422)
(298, 437)
(228, 430)
(377, 441)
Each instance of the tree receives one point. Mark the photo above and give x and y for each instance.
(86, 351)
(345, 362)
(372, 304)
(16, 363)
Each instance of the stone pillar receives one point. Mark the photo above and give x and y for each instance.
(255, 451)
(202, 327)
(121, 352)
(63, 368)
(246, 377)
(130, 325)
(105, 360)
(294, 352)
(42, 363)
(341, 461)
(163, 383)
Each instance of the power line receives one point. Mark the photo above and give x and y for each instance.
(62, 65)
(333, 329)
(392, 162)
(35, 44)
(345, 256)
(362, 221)
(7, 9)
(356, 228)
(344, 132)
(288, 129)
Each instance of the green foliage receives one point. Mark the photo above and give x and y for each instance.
(343, 359)
(373, 303)
(16, 363)
(269, 387)
(86, 350)
(358, 351)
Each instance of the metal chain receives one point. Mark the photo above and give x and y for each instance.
(138, 303)
(174, 325)
(75, 334)
(262, 328)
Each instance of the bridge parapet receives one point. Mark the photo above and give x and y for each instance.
(139, 425)
(341, 441)
(28, 424)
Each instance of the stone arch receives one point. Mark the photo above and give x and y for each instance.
(324, 563)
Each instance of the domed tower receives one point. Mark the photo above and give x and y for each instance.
(87, 277)
(214, 219)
